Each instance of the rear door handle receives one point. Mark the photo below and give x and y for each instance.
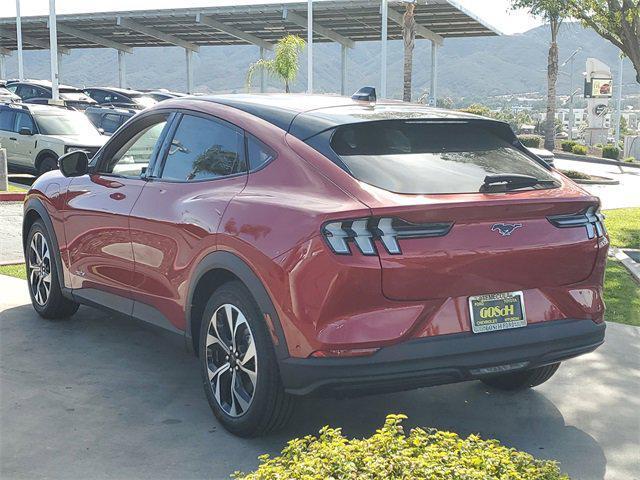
(13, 138)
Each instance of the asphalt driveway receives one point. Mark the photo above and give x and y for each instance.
(101, 397)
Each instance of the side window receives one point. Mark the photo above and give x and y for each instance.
(12, 88)
(111, 122)
(25, 92)
(132, 158)
(97, 95)
(24, 120)
(258, 153)
(6, 119)
(204, 149)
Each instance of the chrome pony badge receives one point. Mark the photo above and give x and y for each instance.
(505, 229)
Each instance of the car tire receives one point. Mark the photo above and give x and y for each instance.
(521, 380)
(42, 276)
(48, 163)
(257, 404)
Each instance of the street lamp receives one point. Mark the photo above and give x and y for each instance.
(570, 59)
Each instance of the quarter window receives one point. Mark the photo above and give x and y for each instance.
(259, 154)
(204, 149)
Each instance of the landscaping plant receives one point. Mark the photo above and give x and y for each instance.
(531, 141)
(391, 454)
(579, 149)
(611, 151)
(285, 63)
(567, 145)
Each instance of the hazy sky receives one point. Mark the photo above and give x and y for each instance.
(495, 12)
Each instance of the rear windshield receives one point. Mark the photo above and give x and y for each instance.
(417, 157)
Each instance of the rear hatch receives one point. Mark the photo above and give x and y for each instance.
(470, 212)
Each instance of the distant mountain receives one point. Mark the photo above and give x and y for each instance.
(470, 68)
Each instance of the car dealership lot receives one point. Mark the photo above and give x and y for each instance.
(98, 396)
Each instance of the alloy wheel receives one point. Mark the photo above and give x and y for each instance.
(39, 268)
(232, 362)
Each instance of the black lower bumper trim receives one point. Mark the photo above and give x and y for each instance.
(443, 359)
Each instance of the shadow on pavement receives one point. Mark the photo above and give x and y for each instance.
(100, 396)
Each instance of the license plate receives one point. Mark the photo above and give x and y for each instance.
(497, 311)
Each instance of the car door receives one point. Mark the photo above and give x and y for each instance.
(25, 145)
(8, 138)
(176, 219)
(100, 255)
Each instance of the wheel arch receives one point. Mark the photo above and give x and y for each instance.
(35, 210)
(213, 271)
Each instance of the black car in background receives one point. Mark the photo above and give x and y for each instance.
(40, 92)
(120, 97)
(109, 118)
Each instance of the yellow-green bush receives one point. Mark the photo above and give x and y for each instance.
(579, 149)
(391, 454)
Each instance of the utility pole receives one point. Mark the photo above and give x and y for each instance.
(19, 40)
(571, 118)
(53, 42)
(619, 103)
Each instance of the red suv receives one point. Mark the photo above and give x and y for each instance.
(319, 244)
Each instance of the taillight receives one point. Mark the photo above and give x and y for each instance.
(364, 231)
(591, 219)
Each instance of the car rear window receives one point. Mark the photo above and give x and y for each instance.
(421, 157)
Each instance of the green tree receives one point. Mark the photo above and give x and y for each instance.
(553, 12)
(409, 37)
(285, 63)
(615, 20)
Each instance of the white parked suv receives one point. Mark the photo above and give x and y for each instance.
(34, 136)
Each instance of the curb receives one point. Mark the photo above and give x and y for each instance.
(589, 159)
(12, 196)
(631, 266)
(596, 181)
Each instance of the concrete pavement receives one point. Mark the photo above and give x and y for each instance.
(626, 194)
(101, 397)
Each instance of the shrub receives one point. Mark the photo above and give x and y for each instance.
(532, 141)
(389, 453)
(629, 159)
(579, 149)
(610, 151)
(574, 174)
(567, 145)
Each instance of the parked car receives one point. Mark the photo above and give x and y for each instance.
(544, 154)
(6, 96)
(40, 92)
(162, 94)
(109, 119)
(119, 97)
(36, 135)
(316, 244)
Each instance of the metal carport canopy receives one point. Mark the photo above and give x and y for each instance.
(241, 23)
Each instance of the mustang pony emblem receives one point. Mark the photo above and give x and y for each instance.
(505, 229)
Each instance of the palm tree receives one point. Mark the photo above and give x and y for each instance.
(553, 12)
(284, 64)
(409, 37)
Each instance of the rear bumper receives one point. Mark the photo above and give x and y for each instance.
(443, 359)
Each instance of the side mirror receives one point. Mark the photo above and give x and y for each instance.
(101, 131)
(25, 131)
(74, 164)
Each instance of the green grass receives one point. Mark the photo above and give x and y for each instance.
(17, 271)
(624, 227)
(16, 189)
(621, 295)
